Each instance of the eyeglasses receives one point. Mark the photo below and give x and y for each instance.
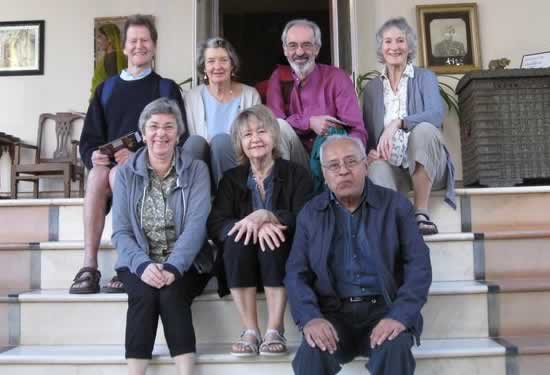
(166, 128)
(349, 164)
(306, 46)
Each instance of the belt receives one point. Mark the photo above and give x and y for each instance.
(371, 299)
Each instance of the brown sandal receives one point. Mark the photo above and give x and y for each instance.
(113, 289)
(86, 281)
(274, 344)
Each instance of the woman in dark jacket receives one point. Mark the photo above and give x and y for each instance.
(254, 216)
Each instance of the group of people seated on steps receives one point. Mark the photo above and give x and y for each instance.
(348, 253)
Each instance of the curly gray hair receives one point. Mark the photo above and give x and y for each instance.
(402, 25)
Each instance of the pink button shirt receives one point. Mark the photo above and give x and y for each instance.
(327, 90)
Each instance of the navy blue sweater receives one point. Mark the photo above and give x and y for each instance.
(121, 113)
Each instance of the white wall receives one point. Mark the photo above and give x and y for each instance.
(65, 85)
(507, 28)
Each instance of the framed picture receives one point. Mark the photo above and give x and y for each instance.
(21, 48)
(536, 60)
(108, 35)
(449, 37)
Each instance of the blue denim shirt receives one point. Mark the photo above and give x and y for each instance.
(350, 261)
(257, 201)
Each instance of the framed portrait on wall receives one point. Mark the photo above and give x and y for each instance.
(21, 48)
(449, 37)
(108, 34)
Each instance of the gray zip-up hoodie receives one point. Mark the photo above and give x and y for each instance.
(190, 202)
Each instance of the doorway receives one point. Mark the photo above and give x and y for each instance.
(254, 27)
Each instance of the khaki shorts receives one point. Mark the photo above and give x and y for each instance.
(425, 147)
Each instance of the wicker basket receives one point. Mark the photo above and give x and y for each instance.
(505, 126)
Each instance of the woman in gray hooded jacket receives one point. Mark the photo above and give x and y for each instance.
(160, 207)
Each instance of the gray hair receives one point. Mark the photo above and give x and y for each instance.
(404, 27)
(217, 42)
(161, 106)
(303, 22)
(338, 137)
(265, 117)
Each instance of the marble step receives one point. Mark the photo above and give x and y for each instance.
(54, 317)
(455, 256)
(511, 208)
(52, 265)
(61, 219)
(434, 357)
(519, 307)
(532, 353)
(478, 210)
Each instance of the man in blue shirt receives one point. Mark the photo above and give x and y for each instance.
(359, 271)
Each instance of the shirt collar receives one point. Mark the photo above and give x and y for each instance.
(125, 76)
(364, 199)
(172, 166)
(408, 72)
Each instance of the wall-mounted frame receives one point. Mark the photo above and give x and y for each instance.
(21, 48)
(449, 37)
(108, 35)
(536, 60)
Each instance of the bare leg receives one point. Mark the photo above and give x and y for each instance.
(95, 202)
(245, 299)
(185, 364)
(137, 366)
(276, 303)
(422, 186)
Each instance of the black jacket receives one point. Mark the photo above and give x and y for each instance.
(292, 187)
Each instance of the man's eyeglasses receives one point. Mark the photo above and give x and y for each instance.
(349, 164)
(167, 128)
(306, 46)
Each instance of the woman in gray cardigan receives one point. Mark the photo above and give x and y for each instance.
(403, 112)
(160, 207)
(212, 106)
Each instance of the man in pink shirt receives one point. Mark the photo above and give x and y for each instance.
(317, 96)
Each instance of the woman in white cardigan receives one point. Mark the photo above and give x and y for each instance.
(211, 107)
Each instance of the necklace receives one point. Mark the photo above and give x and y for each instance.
(223, 97)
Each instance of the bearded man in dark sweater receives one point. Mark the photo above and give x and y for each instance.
(113, 112)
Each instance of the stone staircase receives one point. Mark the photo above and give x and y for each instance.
(487, 313)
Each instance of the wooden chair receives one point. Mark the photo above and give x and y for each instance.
(63, 164)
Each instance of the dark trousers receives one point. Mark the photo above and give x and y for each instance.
(354, 323)
(172, 303)
(249, 266)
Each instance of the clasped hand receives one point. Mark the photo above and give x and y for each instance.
(156, 276)
(385, 143)
(262, 226)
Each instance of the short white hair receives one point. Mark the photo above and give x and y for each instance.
(303, 22)
(338, 137)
